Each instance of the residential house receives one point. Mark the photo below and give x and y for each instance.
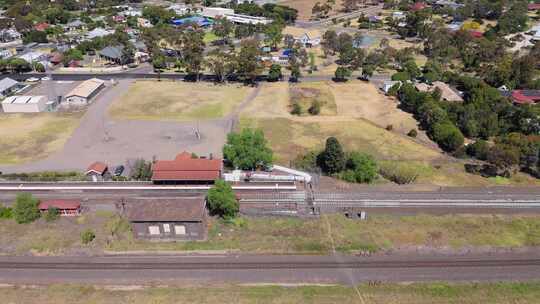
(308, 41)
(75, 25)
(447, 93)
(418, 6)
(97, 171)
(9, 35)
(168, 219)
(119, 18)
(525, 96)
(132, 13)
(398, 15)
(9, 86)
(64, 207)
(41, 26)
(4, 54)
(533, 6)
(115, 54)
(98, 32)
(84, 92)
(447, 4)
(34, 56)
(185, 169)
(246, 19)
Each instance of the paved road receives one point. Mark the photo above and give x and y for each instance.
(220, 269)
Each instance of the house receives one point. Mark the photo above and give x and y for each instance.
(307, 41)
(168, 219)
(115, 54)
(185, 169)
(533, 6)
(4, 54)
(476, 34)
(132, 13)
(34, 56)
(9, 86)
(41, 26)
(74, 25)
(98, 32)
(525, 96)
(84, 92)
(418, 6)
(64, 207)
(98, 171)
(447, 93)
(387, 85)
(119, 18)
(24, 104)
(9, 35)
(142, 22)
(213, 12)
(398, 15)
(447, 4)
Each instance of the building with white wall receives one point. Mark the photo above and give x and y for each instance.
(24, 104)
(84, 92)
(213, 12)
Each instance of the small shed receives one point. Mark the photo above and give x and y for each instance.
(168, 219)
(97, 171)
(65, 207)
(84, 92)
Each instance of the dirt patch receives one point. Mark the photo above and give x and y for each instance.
(306, 96)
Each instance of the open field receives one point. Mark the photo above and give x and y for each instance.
(304, 7)
(29, 137)
(306, 94)
(418, 293)
(180, 101)
(281, 235)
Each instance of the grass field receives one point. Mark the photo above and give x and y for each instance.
(417, 293)
(168, 100)
(280, 235)
(29, 137)
(306, 94)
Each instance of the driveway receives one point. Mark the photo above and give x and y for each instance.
(98, 138)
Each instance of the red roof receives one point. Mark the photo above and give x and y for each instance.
(60, 204)
(476, 34)
(533, 6)
(41, 26)
(97, 167)
(526, 96)
(418, 6)
(185, 168)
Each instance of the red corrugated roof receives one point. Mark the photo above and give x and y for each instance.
(533, 6)
(97, 167)
(60, 204)
(41, 26)
(418, 6)
(476, 34)
(518, 96)
(185, 168)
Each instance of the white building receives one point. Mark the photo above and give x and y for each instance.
(213, 12)
(9, 86)
(98, 32)
(245, 19)
(24, 104)
(398, 15)
(84, 92)
(387, 85)
(34, 56)
(307, 41)
(9, 35)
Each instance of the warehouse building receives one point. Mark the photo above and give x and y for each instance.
(24, 104)
(84, 92)
(168, 219)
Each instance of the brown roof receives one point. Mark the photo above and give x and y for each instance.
(180, 209)
(97, 167)
(60, 204)
(184, 167)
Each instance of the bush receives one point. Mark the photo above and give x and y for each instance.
(222, 200)
(332, 159)
(479, 149)
(26, 208)
(52, 214)
(399, 173)
(315, 108)
(389, 127)
(401, 76)
(6, 213)
(447, 136)
(307, 161)
(87, 236)
(360, 168)
(412, 133)
(296, 109)
(247, 150)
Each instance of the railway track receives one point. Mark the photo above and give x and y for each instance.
(267, 265)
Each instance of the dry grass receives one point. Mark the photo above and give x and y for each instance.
(304, 7)
(167, 100)
(305, 94)
(418, 293)
(29, 137)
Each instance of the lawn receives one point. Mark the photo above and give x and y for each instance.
(283, 235)
(29, 137)
(417, 293)
(180, 101)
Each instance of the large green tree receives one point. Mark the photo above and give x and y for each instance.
(222, 200)
(332, 159)
(247, 150)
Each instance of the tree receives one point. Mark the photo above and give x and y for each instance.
(71, 55)
(35, 36)
(288, 41)
(447, 136)
(220, 63)
(87, 236)
(360, 168)
(342, 73)
(26, 208)
(192, 50)
(274, 34)
(247, 150)
(329, 42)
(332, 159)
(157, 14)
(479, 149)
(52, 214)
(275, 73)
(142, 170)
(222, 200)
(247, 62)
(503, 156)
(222, 28)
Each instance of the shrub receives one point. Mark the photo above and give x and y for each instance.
(315, 108)
(389, 127)
(479, 149)
(399, 173)
(412, 133)
(87, 236)
(307, 161)
(401, 76)
(222, 200)
(6, 212)
(52, 214)
(447, 136)
(296, 109)
(332, 159)
(360, 168)
(26, 208)
(247, 150)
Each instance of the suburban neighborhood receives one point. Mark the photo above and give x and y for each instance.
(269, 151)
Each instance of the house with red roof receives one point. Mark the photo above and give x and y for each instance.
(525, 96)
(97, 171)
(65, 207)
(533, 6)
(187, 169)
(476, 34)
(418, 6)
(41, 26)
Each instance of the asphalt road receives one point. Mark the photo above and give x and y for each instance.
(217, 269)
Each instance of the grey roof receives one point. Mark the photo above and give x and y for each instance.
(114, 52)
(178, 209)
(76, 22)
(7, 83)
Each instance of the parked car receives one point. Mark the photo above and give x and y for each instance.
(119, 170)
(45, 78)
(32, 79)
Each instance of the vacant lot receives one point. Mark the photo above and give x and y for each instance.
(29, 137)
(419, 293)
(168, 100)
(306, 95)
(304, 7)
(280, 235)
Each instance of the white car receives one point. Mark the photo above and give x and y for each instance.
(45, 78)
(32, 79)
